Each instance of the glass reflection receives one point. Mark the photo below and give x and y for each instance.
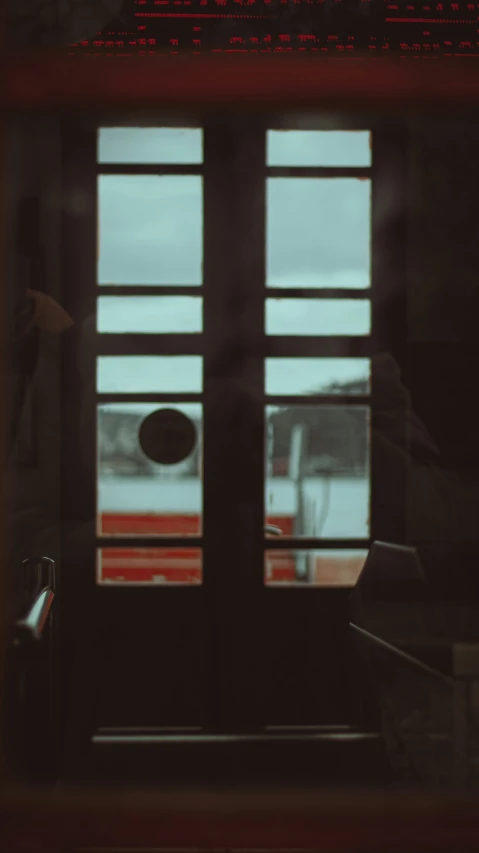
(143, 374)
(318, 317)
(318, 232)
(317, 375)
(135, 496)
(317, 471)
(150, 229)
(139, 566)
(316, 568)
(150, 145)
(318, 148)
(149, 314)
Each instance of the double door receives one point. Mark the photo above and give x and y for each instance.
(215, 460)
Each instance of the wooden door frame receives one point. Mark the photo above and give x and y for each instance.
(234, 167)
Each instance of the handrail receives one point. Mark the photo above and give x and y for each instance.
(395, 650)
(33, 623)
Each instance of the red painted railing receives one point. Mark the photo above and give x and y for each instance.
(170, 565)
(164, 564)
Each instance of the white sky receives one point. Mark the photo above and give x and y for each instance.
(163, 374)
(150, 232)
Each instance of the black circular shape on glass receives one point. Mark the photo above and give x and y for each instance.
(167, 436)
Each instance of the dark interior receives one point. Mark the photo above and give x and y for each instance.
(233, 678)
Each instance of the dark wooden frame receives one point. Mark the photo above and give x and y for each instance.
(242, 301)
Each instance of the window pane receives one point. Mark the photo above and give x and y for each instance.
(317, 475)
(316, 568)
(143, 374)
(149, 566)
(318, 375)
(318, 232)
(138, 497)
(318, 148)
(150, 314)
(318, 317)
(150, 145)
(150, 229)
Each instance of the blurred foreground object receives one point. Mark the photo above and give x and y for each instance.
(48, 315)
(33, 23)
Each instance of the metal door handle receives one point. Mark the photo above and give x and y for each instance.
(273, 530)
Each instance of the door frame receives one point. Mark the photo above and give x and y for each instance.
(234, 165)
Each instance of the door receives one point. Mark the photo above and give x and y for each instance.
(216, 423)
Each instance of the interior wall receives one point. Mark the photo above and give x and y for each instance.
(443, 281)
(443, 339)
(33, 157)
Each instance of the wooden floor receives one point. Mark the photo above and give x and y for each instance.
(239, 820)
